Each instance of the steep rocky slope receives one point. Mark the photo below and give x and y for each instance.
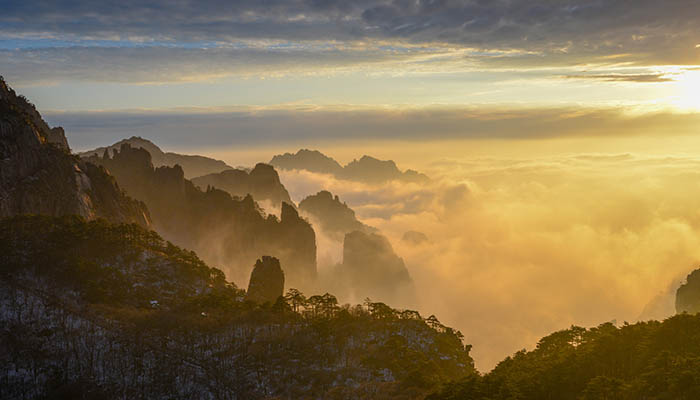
(262, 182)
(38, 175)
(334, 217)
(228, 232)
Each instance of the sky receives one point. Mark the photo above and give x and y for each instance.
(84, 61)
(561, 136)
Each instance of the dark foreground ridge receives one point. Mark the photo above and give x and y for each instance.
(95, 310)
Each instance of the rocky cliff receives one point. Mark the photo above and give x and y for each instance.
(334, 217)
(228, 232)
(266, 283)
(38, 175)
(262, 182)
(192, 165)
(688, 294)
(371, 268)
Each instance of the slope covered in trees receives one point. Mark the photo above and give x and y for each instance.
(648, 360)
(94, 310)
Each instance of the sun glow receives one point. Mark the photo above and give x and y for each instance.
(688, 90)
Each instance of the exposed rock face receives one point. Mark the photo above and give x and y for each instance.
(38, 175)
(367, 169)
(228, 232)
(310, 160)
(191, 165)
(263, 183)
(414, 237)
(335, 217)
(266, 281)
(373, 269)
(688, 294)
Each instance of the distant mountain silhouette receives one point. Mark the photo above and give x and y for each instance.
(367, 169)
(262, 182)
(335, 217)
(192, 165)
(229, 232)
(38, 175)
(310, 160)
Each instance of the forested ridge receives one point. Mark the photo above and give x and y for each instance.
(97, 310)
(648, 360)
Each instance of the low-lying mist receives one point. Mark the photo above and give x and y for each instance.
(517, 249)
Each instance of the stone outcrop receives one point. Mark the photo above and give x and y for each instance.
(262, 182)
(225, 231)
(334, 217)
(266, 283)
(192, 165)
(372, 269)
(688, 294)
(38, 175)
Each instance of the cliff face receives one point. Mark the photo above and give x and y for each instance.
(372, 269)
(228, 232)
(263, 183)
(688, 294)
(334, 217)
(38, 175)
(266, 281)
(191, 165)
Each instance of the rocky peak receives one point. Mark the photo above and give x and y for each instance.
(38, 175)
(266, 281)
(333, 216)
(688, 294)
(263, 183)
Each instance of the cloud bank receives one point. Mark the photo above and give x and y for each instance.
(520, 248)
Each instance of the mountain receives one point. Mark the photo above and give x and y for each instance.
(266, 283)
(647, 360)
(369, 269)
(262, 182)
(334, 217)
(92, 310)
(310, 160)
(367, 169)
(371, 170)
(225, 231)
(192, 165)
(39, 175)
(688, 294)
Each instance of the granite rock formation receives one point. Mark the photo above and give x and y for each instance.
(334, 217)
(228, 232)
(266, 283)
(262, 182)
(688, 294)
(39, 175)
